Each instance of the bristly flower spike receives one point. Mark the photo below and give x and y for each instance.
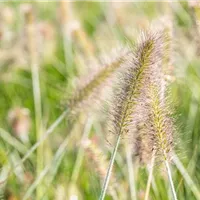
(132, 89)
(86, 92)
(154, 131)
(161, 129)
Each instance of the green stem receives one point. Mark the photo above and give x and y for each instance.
(34, 63)
(131, 175)
(150, 177)
(81, 151)
(105, 185)
(186, 176)
(170, 180)
(44, 137)
(61, 150)
(7, 137)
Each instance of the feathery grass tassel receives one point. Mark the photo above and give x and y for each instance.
(162, 129)
(97, 82)
(130, 92)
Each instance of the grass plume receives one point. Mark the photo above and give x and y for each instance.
(81, 96)
(161, 124)
(131, 90)
(160, 128)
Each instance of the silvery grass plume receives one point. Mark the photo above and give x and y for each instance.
(143, 142)
(155, 128)
(95, 82)
(127, 107)
(128, 99)
(160, 128)
(155, 132)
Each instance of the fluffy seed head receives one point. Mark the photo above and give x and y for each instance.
(154, 133)
(154, 129)
(95, 84)
(160, 124)
(131, 92)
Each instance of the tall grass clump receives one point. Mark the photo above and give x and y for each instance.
(131, 91)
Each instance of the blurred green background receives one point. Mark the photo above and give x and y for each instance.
(44, 48)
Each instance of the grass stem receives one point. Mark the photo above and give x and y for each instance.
(186, 176)
(80, 154)
(35, 146)
(34, 63)
(61, 150)
(106, 182)
(150, 177)
(7, 137)
(170, 180)
(131, 176)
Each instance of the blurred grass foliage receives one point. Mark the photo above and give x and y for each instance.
(70, 39)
